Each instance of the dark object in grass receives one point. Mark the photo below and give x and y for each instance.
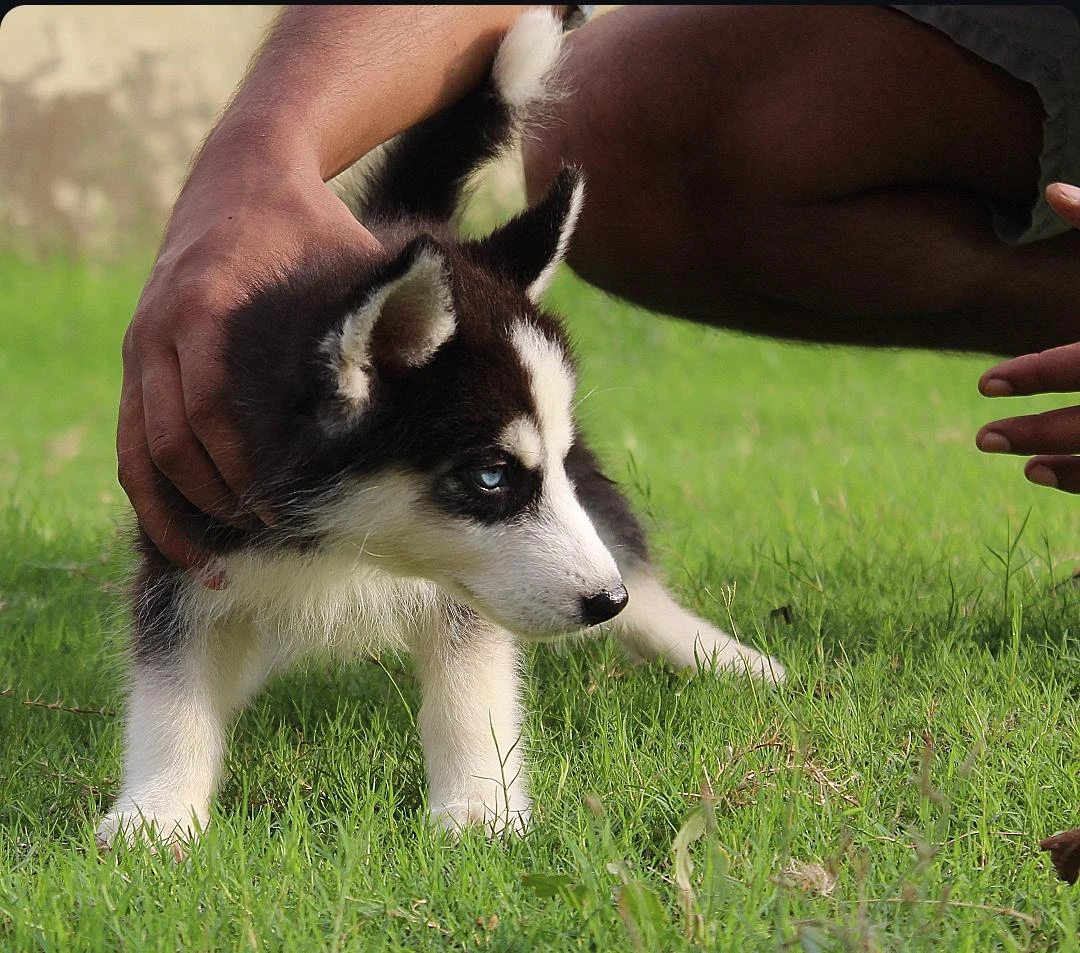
(782, 613)
(1064, 851)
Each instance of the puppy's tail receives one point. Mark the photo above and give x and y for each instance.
(425, 172)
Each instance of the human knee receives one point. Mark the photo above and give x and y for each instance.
(659, 125)
(543, 152)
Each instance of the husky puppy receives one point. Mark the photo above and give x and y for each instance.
(414, 434)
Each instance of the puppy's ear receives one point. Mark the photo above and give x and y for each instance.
(528, 248)
(405, 316)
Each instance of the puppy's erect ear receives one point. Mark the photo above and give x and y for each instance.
(404, 318)
(528, 248)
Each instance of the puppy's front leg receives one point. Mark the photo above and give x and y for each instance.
(177, 723)
(470, 724)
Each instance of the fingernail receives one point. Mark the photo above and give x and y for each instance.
(996, 387)
(993, 442)
(1067, 193)
(1043, 476)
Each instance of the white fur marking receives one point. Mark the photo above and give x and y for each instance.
(354, 382)
(351, 185)
(552, 384)
(521, 439)
(528, 575)
(417, 307)
(527, 57)
(540, 284)
(176, 730)
(423, 291)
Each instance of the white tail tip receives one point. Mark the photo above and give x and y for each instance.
(527, 58)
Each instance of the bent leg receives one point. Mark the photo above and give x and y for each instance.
(818, 173)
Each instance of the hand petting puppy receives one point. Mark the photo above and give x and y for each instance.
(1053, 436)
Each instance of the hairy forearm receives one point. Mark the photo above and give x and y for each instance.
(332, 82)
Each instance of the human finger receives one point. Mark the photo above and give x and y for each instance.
(1057, 472)
(176, 451)
(219, 440)
(1065, 200)
(141, 481)
(1052, 432)
(1054, 371)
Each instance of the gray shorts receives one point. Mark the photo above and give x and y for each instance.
(1041, 46)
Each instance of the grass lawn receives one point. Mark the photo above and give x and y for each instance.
(828, 506)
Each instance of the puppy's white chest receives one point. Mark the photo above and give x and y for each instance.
(322, 600)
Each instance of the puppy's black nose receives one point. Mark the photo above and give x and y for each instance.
(603, 606)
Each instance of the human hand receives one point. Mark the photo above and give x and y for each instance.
(242, 216)
(1053, 436)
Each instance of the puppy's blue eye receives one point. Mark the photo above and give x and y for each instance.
(490, 478)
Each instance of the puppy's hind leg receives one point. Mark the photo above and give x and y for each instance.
(470, 723)
(654, 626)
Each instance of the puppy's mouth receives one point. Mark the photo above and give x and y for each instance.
(547, 633)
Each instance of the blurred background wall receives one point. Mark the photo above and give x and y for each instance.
(101, 108)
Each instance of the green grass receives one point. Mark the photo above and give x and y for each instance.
(825, 504)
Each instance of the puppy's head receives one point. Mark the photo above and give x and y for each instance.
(441, 421)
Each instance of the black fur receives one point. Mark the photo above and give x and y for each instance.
(532, 236)
(419, 177)
(160, 635)
(608, 509)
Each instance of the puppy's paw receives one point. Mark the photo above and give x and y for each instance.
(171, 831)
(510, 816)
(748, 661)
(717, 652)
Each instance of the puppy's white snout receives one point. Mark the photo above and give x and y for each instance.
(604, 605)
